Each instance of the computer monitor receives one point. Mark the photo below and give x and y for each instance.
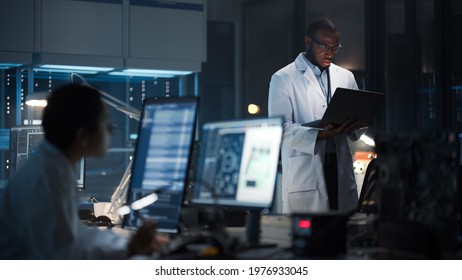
(237, 167)
(24, 140)
(161, 160)
(237, 163)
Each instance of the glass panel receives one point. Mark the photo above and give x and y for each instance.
(456, 67)
(426, 66)
(102, 175)
(409, 70)
(398, 71)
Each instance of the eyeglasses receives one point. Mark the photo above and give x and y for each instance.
(324, 48)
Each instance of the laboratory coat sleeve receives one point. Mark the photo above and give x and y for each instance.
(280, 103)
(51, 230)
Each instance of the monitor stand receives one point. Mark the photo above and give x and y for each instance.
(253, 230)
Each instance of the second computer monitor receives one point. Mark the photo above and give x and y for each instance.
(237, 163)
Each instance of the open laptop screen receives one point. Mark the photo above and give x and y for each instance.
(237, 163)
(161, 160)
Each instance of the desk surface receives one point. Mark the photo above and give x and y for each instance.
(275, 230)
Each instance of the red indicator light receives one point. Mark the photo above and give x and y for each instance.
(304, 224)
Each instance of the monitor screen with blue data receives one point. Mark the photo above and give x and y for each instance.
(237, 163)
(24, 141)
(161, 161)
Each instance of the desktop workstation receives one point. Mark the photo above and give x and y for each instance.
(234, 166)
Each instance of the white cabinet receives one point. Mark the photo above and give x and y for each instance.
(17, 26)
(167, 30)
(16, 31)
(120, 33)
(82, 27)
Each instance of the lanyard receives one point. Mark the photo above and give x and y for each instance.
(329, 95)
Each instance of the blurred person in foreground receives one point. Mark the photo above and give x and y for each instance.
(38, 208)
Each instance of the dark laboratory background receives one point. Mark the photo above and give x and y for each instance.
(408, 49)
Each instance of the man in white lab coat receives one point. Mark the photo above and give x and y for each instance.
(317, 165)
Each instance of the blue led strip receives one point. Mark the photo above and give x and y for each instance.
(168, 5)
(102, 1)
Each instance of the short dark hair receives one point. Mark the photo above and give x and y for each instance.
(69, 108)
(320, 24)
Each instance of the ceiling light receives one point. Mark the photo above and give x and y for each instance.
(76, 68)
(8, 65)
(151, 73)
(64, 71)
(37, 99)
(128, 74)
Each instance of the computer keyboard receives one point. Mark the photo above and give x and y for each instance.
(101, 221)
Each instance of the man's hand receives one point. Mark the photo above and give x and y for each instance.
(331, 131)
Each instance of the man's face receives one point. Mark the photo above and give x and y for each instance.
(321, 49)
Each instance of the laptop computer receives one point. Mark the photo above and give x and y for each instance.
(350, 104)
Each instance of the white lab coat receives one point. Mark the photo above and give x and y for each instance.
(39, 219)
(295, 94)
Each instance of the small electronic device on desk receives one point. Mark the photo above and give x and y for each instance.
(320, 234)
(199, 244)
(90, 217)
(226, 243)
